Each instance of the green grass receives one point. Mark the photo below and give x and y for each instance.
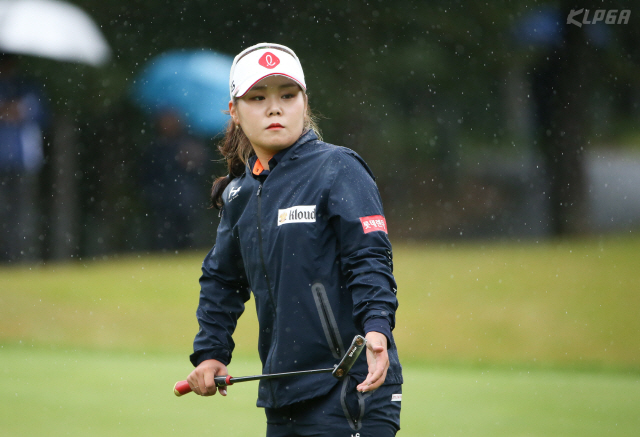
(61, 392)
(555, 303)
(519, 339)
(66, 392)
(132, 303)
(570, 303)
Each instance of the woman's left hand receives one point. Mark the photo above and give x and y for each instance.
(378, 361)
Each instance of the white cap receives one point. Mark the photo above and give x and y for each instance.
(259, 61)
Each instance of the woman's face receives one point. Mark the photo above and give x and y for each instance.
(271, 114)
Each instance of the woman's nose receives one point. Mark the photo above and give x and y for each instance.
(274, 107)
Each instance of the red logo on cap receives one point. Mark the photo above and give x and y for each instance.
(269, 60)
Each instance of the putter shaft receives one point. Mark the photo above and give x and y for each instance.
(182, 387)
(222, 380)
(339, 371)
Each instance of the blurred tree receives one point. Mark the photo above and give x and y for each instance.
(584, 62)
(413, 86)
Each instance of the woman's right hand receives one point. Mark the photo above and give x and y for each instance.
(201, 379)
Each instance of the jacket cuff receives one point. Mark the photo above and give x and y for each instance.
(381, 325)
(222, 355)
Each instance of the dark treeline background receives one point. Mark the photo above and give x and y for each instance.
(475, 121)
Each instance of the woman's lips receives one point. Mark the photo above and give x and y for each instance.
(275, 126)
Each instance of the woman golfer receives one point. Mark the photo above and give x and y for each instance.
(302, 227)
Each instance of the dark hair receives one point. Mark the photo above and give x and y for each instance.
(236, 151)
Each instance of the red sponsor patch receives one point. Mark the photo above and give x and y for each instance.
(373, 223)
(269, 60)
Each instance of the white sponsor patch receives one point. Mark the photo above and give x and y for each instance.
(396, 398)
(297, 214)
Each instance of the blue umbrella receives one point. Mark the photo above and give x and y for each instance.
(195, 83)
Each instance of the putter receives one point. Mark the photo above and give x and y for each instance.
(339, 371)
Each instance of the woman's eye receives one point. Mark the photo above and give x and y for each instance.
(257, 98)
(288, 96)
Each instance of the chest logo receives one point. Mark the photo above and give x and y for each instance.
(233, 193)
(297, 214)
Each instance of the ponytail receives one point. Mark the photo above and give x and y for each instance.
(236, 150)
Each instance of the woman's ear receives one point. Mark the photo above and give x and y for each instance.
(306, 104)
(233, 113)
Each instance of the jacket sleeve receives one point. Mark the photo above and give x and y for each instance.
(355, 211)
(223, 293)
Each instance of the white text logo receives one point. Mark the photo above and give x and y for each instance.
(297, 214)
(607, 16)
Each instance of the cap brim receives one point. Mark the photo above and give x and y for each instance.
(244, 88)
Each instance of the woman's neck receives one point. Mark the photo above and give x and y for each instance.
(263, 156)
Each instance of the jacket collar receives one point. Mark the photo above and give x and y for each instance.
(290, 152)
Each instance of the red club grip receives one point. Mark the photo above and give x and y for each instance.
(182, 387)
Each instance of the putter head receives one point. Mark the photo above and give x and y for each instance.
(349, 359)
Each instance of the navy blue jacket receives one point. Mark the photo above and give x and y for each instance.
(310, 242)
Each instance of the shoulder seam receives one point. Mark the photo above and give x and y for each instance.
(345, 151)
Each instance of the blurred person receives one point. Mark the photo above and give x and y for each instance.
(22, 119)
(172, 173)
(302, 227)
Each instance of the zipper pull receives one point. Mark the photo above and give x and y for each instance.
(259, 190)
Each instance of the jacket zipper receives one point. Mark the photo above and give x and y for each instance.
(266, 276)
